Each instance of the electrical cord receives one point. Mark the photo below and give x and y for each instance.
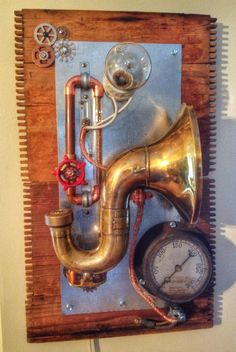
(110, 119)
(104, 123)
(168, 321)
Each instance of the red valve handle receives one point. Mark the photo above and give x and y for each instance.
(70, 173)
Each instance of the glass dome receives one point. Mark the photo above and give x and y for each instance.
(127, 67)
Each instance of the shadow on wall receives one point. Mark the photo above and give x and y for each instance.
(225, 178)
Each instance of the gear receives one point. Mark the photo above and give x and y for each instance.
(62, 32)
(89, 289)
(45, 33)
(43, 56)
(65, 50)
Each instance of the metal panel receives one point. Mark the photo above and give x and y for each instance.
(151, 112)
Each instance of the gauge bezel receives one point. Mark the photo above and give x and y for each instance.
(159, 236)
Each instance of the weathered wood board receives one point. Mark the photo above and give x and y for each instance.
(38, 150)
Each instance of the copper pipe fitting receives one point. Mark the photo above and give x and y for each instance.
(72, 84)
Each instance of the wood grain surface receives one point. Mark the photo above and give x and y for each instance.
(38, 150)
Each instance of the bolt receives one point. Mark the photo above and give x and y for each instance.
(177, 313)
(122, 303)
(43, 55)
(137, 321)
(69, 307)
(173, 224)
(64, 49)
(84, 64)
(142, 282)
(174, 52)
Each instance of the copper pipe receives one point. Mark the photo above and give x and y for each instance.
(77, 199)
(72, 84)
(75, 82)
(70, 126)
(172, 166)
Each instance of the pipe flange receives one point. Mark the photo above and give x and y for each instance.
(45, 33)
(86, 199)
(85, 80)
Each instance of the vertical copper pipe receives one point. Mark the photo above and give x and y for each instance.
(70, 126)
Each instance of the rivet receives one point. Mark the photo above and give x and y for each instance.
(84, 64)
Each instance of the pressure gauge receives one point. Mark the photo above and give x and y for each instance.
(176, 265)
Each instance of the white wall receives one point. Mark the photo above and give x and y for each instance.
(222, 337)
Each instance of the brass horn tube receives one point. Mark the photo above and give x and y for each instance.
(172, 166)
(110, 251)
(175, 164)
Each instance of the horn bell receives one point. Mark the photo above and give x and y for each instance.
(175, 165)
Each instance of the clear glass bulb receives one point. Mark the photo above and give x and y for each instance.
(127, 67)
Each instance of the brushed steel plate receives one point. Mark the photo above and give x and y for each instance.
(150, 114)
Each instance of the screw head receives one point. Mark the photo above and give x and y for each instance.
(174, 52)
(173, 224)
(122, 303)
(84, 64)
(69, 307)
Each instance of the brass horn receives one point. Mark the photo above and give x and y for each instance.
(172, 166)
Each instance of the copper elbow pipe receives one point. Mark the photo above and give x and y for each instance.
(172, 166)
(72, 84)
(75, 82)
(77, 199)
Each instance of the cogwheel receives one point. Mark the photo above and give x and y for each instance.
(65, 50)
(89, 289)
(43, 56)
(45, 34)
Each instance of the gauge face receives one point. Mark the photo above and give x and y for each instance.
(177, 268)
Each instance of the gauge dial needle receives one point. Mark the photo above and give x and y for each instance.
(178, 268)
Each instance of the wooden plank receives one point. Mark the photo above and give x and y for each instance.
(37, 118)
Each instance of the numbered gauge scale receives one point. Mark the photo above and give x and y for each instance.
(173, 263)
